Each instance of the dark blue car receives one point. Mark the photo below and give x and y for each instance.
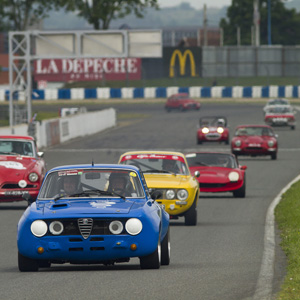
(93, 214)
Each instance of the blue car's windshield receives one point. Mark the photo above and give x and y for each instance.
(90, 183)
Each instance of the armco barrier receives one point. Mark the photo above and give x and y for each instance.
(288, 91)
(55, 131)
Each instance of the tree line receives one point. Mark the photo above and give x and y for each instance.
(285, 23)
(18, 15)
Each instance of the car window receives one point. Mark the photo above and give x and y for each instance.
(87, 180)
(157, 165)
(248, 131)
(211, 160)
(14, 147)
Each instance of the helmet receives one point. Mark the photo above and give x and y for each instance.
(221, 122)
(115, 175)
(222, 160)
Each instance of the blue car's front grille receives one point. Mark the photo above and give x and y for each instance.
(98, 227)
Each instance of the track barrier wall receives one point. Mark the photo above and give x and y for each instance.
(55, 131)
(273, 91)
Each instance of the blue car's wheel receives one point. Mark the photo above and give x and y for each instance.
(153, 260)
(27, 264)
(166, 249)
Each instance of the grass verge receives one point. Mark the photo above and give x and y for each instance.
(287, 215)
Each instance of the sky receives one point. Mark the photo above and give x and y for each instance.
(198, 4)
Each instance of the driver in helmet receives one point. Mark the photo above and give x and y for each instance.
(118, 183)
(170, 165)
(70, 184)
(223, 161)
(221, 122)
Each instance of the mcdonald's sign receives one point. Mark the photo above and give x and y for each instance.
(182, 55)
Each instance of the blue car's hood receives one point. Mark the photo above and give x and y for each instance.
(84, 207)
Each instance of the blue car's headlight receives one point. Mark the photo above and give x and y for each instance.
(39, 228)
(133, 226)
(56, 227)
(116, 227)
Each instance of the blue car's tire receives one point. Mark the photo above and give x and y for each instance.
(27, 264)
(166, 249)
(153, 260)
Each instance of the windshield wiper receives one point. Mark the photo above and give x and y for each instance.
(159, 171)
(90, 192)
(200, 163)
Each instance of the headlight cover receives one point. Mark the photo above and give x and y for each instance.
(270, 143)
(182, 194)
(205, 130)
(133, 226)
(56, 227)
(116, 227)
(170, 194)
(39, 228)
(233, 176)
(220, 130)
(238, 143)
(33, 177)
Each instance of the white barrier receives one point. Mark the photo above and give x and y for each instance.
(195, 91)
(256, 91)
(54, 131)
(150, 92)
(77, 93)
(172, 90)
(127, 93)
(237, 92)
(103, 93)
(273, 91)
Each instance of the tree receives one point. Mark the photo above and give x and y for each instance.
(17, 15)
(99, 13)
(285, 23)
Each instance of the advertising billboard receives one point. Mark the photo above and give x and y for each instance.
(87, 69)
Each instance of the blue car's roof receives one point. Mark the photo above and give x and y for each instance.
(96, 166)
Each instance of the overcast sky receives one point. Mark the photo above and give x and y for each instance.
(195, 3)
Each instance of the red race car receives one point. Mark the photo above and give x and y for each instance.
(254, 140)
(280, 115)
(219, 172)
(181, 102)
(213, 129)
(22, 168)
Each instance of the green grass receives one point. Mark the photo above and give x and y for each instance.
(287, 215)
(187, 82)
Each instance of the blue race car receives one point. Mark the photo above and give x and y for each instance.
(93, 214)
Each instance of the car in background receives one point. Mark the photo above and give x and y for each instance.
(213, 129)
(219, 172)
(280, 115)
(22, 168)
(167, 173)
(254, 140)
(182, 102)
(275, 102)
(95, 224)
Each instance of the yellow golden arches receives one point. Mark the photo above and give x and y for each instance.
(182, 60)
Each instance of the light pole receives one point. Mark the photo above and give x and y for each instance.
(256, 21)
(269, 23)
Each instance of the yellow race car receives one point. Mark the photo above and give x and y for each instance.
(168, 177)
